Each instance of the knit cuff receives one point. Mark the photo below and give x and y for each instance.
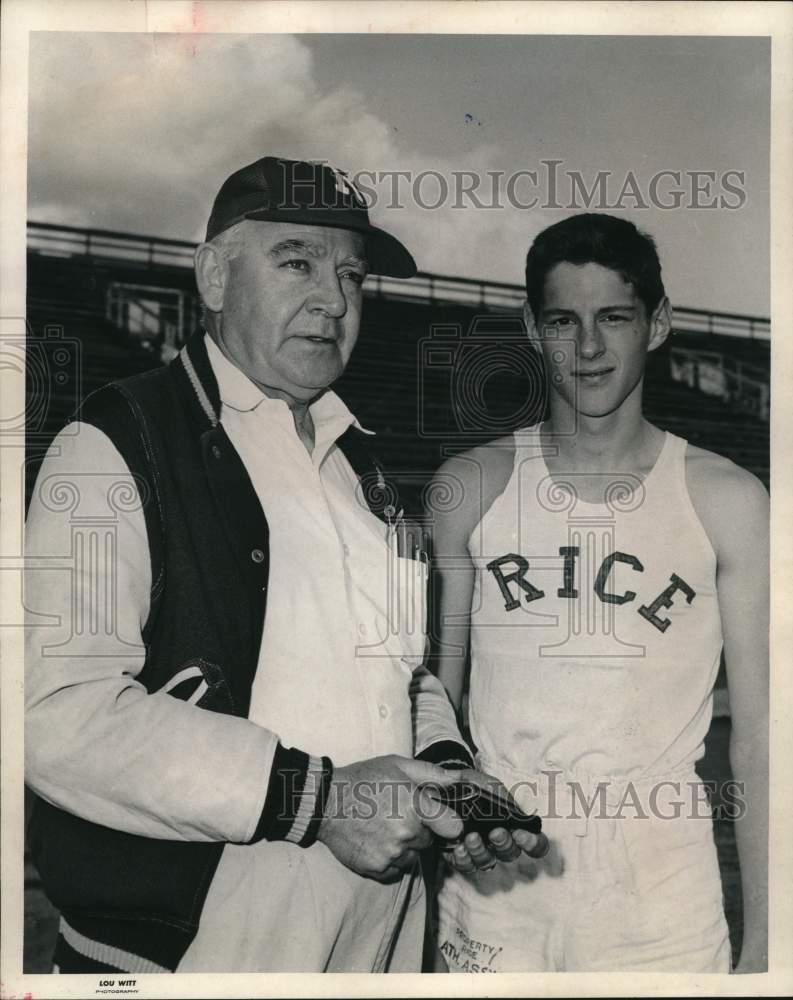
(321, 778)
(296, 795)
(448, 754)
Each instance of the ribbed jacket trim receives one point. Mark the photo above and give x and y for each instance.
(107, 954)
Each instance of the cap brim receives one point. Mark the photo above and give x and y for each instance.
(385, 254)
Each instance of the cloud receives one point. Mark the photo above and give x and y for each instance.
(136, 132)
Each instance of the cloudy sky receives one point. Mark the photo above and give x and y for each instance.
(137, 131)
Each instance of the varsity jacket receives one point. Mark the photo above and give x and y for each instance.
(136, 902)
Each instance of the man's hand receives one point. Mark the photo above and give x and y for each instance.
(474, 854)
(378, 817)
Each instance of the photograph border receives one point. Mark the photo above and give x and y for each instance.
(19, 19)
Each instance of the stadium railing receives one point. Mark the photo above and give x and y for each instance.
(497, 296)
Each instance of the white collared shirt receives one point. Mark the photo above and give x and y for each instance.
(331, 650)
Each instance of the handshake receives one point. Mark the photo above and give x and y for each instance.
(380, 813)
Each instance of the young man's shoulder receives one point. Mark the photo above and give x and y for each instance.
(492, 456)
(469, 482)
(707, 472)
(481, 469)
(730, 501)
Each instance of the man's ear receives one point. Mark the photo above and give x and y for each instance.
(660, 324)
(211, 273)
(531, 326)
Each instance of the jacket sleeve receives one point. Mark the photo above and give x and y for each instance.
(97, 743)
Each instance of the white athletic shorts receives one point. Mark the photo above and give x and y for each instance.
(629, 888)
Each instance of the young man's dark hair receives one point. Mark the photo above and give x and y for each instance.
(599, 239)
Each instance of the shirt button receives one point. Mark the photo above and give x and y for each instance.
(257, 555)
(346, 549)
(361, 628)
(383, 712)
(216, 452)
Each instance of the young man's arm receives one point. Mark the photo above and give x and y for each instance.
(736, 518)
(468, 483)
(452, 585)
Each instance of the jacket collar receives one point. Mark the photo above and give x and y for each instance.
(201, 387)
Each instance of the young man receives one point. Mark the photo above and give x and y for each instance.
(596, 565)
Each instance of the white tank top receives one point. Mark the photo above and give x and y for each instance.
(595, 629)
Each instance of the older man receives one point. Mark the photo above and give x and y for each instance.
(222, 732)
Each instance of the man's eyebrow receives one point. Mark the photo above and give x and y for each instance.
(313, 250)
(357, 259)
(284, 246)
(626, 307)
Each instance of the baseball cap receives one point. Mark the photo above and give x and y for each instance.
(274, 189)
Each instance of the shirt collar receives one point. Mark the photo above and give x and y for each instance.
(240, 393)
